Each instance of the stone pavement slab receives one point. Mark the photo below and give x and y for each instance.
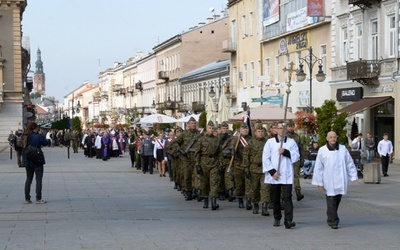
(94, 204)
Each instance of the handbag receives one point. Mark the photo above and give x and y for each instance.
(35, 154)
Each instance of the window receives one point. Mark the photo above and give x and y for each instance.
(345, 45)
(244, 26)
(323, 57)
(374, 40)
(251, 17)
(277, 69)
(252, 74)
(359, 41)
(234, 76)
(391, 36)
(267, 70)
(234, 33)
(245, 75)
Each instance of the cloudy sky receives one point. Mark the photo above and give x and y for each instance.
(79, 38)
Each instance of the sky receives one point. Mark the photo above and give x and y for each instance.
(80, 38)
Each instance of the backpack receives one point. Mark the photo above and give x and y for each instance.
(19, 141)
(34, 154)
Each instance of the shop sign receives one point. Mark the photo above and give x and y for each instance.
(298, 41)
(384, 88)
(349, 94)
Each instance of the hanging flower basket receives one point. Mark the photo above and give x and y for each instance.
(306, 121)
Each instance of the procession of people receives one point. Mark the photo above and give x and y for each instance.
(256, 167)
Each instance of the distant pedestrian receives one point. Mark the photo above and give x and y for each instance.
(369, 147)
(385, 151)
(33, 138)
(334, 166)
(11, 138)
(358, 145)
(146, 150)
(18, 146)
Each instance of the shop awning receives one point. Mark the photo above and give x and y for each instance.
(365, 103)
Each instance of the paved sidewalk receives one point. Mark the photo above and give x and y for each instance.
(109, 205)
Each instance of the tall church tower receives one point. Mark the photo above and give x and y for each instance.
(39, 80)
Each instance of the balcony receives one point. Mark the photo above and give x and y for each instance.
(163, 75)
(104, 95)
(183, 108)
(366, 72)
(364, 4)
(198, 107)
(116, 87)
(228, 46)
(123, 91)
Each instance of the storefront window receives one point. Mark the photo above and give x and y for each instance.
(385, 109)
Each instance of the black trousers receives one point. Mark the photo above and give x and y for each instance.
(385, 163)
(147, 163)
(332, 203)
(38, 172)
(287, 199)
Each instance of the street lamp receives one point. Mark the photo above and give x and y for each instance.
(169, 102)
(212, 92)
(153, 105)
(310, 60)
(228, 93)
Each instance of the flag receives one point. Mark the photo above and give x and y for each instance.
(246, 119)
(243, 141)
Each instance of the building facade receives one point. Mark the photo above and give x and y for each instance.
(39, 78)
(14, 67)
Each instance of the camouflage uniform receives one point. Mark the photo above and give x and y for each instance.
(75, 141)
(296, 165)
(208, 167)
(185, 143)
(227, 183)
(252, 162)
(243, 185)
(174, 156)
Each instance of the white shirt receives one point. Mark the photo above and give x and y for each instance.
(270, 159)
(385, 147)
(333, 169)
(157, 145)
(97, 143)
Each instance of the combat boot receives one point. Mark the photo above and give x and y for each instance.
(214, 204)
(231, 195)
(255, 208)
(221, 196)
(194, 194)
(241, 204)
(264, 211)
(205, 202)
(179, 188)
(199, 196)
(188, 196)
(299, 195)
(248, 204)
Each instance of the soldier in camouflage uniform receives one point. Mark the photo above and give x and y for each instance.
(174, 158)
(296, 165)
(208, 166)
(185, 143)
(227, 183)
(75, 141)
(252, 162)
(243, 185)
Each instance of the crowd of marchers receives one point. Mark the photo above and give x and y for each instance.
(257, 167)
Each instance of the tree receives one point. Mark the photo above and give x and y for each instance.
(328, 120)
(203, 120)
(354, 129)
(76, 124)
(35, 95)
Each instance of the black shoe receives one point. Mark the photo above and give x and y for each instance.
(205, 202)
(299, 195)
(221, 196)
(248, 204)
(241, 204)
(179, 188)
(214, 205)
(175, 186)
(255, 208)
(231, 196)
(289, 224)
(385, 175)
(188, 196)
(264, 211)
(334, 226)
(277, 223)
(305, 176)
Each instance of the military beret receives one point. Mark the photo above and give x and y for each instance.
(210, 123)
(290, 123)
(224, 124)
(258, 121)
(244, 125)
(178, 129)
(259, 127)
(192, 119)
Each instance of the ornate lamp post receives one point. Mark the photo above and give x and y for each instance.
(310, 60)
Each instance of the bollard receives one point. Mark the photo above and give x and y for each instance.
(10, 152)
(372, 173)
(68, 151)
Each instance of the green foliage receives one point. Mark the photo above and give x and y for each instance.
(236, 127)
(203, 120)
(328, 119)
(35, 95)
(60, 125)
(354, 130)
(76, 124)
